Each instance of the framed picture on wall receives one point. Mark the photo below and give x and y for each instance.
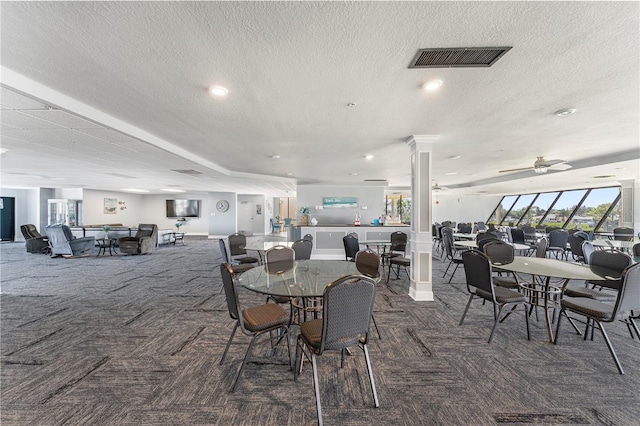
(110, 205)
(258, 208)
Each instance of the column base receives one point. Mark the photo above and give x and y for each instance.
(420, 295)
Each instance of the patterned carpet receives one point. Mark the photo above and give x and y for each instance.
(136, 340)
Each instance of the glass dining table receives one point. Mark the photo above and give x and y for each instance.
(553, 268)
(262, 246)
(305, 278)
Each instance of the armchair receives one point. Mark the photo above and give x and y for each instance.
(143, 242)
(63, 243)
(36, 243)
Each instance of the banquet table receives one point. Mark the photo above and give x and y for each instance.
(473, 244)
(262, 246)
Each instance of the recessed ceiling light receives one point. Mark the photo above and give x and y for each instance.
(353, 174)
(173, 190)
(289, 174)
(135, 190)
(218, 91)
(455, 157)
(451, 173)
(565, 112)
(368, 157)
(275, 156)
(351, 104)
(432, 85)
(3, 150)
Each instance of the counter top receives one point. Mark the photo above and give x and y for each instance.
(351, 225)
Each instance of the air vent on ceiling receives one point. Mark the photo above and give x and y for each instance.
(458, 57)
(187, 172)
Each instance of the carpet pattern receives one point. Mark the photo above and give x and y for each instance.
(137, 340)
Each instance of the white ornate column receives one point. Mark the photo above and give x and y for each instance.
(420, 239)
(630, 190)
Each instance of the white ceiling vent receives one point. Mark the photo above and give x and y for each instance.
(458, 57)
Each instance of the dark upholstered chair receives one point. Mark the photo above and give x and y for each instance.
(35, 242)
(253, 321)
(237, 243)
(236, 268)
(143, 242)
(607, 263)
(63, 243)
(368, 264)
(447, 240)
(501, 253)
(351, 247)
(623, 234)
(347, 308)
(598, 312)
(303, 249)
(477, 268)
(558, 239)
(575, 242)
(636, 250)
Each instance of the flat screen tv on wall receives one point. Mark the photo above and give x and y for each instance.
(183, 208)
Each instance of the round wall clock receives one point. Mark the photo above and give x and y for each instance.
(222, 205)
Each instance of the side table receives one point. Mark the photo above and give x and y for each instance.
(178, 236)
(104, 244)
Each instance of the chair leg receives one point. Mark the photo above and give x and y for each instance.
(224, 354)
(555, 339)
(495, 324)
(316, 386)
(610, 346)
(370, 370)
(454, 272)
(526, 318)
(635, 326)
(244, 362)
(299, 359)
(464, 314)
(376, 326)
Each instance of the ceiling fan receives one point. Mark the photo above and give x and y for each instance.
(436, 188)
(540, 166)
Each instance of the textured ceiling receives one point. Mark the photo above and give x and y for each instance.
(138, 73)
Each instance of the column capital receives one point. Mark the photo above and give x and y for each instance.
(414, 140)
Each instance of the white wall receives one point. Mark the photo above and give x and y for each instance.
(370, 196)
(222, 223)
(130, 213)
(463, 208)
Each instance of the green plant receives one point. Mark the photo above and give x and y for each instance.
(304, 210)
(106, 228)
(178, 225)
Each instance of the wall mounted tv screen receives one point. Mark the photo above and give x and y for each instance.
(183, 208)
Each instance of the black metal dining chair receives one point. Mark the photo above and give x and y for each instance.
(253, 321)
(347, 308)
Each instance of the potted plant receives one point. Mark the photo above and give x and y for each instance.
(304, 216)
(178, 225)
(106, 229)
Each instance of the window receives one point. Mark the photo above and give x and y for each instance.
(596, 209)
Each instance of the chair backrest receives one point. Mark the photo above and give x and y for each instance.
(279, 259)
(58, 239)
(575, 242)
(587, 251)
(558, 238)
(485, 236)
(499, 252)
(636, 249)
(146, 230)
(223, 251)
(611, 262)
(351, 247)
(302, 249)
(496, 233)
(550, 229)
(447, 241)
(347, 305)
(287, 221)
(517, 236)
(368, 263)
(623, 233)
(398, 241)
(230, 290)
(308, 237)
(583, 234)
(541, 248)
(481, 226)
(629, 294)
(237, 242)
(29, 231)
(477, 270)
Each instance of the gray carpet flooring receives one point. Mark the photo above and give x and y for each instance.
(136, 340)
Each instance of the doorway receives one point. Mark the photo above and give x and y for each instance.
(245, 217)
(8, 218)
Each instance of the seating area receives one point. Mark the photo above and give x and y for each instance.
(148, 342)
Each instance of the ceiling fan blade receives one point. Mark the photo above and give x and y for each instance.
(549, 163)
(515, 170)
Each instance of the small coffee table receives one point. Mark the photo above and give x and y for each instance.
(106, 243)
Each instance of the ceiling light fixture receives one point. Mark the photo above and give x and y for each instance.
(275, 156)
(540, 169)
(565, 112)
(451, 173)
(353, 174)
(173, 190)
(135, 190)
(432, 85)
(218, 91)
(368, 157)
(289, 174)
(3, 150)
(351, 104)
(455, 157)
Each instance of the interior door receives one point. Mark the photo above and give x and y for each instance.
(245, 217)
(7, 218)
